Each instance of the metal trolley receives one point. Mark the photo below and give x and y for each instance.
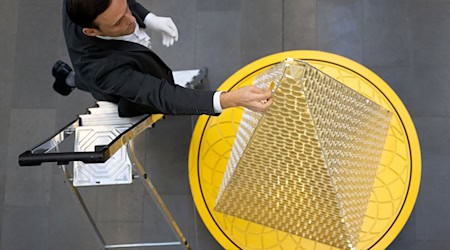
(104, 154)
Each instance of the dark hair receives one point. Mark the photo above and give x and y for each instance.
(84, 12)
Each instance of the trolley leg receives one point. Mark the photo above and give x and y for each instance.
(77, 197)
(155, 195)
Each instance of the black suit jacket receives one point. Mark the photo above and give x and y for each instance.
(130, 74)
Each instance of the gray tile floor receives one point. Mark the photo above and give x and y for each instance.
(406, 42)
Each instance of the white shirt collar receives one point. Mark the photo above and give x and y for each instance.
(139, 36)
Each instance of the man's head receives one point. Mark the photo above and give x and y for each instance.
(102, 17)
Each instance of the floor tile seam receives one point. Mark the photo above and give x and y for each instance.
(163, 194)
(33, 109)
(121, 221)
(145, 192)
(195, 34)
(27, 207)
(388, 67)
(31, 106)
(430, 116)
(195, 218)
(2, 205)
(430, 156)
(202, 8)
(317, 22)
(220, 11)
(363, 33)
(424, 239)
(445, 241)
(425, 111)
(143, 213)
(418, 67)
(37, 3)
(283, 4)
(13, 37)
(429, 3)
(409, 32)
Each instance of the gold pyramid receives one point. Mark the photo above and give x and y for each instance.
(307, 166)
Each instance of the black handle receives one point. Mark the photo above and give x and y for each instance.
(29, 159)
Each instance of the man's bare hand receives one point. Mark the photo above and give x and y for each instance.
(251, 97)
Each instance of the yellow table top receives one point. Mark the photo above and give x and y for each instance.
(395, 188)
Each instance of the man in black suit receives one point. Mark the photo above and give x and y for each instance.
(113, 62)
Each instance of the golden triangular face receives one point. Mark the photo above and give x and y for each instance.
(307, 166)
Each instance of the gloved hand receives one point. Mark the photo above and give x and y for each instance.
(164, 25)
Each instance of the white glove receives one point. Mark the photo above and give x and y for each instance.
(164, 25)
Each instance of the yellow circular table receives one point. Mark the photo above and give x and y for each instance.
(395, 189)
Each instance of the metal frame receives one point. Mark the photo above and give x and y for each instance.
(41, 153)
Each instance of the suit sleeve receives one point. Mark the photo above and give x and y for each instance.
(137, 8)
(167, 98)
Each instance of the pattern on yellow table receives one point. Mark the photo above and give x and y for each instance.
(396, 185)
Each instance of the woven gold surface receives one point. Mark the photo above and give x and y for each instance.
(308, 165)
